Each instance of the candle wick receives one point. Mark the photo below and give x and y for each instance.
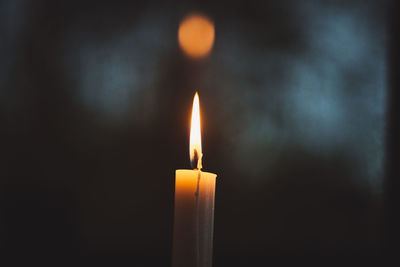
(197, 157)
(199, 163)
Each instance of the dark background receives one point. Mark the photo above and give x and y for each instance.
(298, 104)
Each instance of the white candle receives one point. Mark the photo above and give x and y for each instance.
(194, 206)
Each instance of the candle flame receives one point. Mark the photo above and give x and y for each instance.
(195, 135)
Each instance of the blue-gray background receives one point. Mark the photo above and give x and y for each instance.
(95, 100)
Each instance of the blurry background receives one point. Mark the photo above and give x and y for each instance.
(95, 100)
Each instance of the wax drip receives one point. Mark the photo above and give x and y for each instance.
(197, 195)
(199, 157)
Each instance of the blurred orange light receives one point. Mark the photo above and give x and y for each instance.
(196, 35)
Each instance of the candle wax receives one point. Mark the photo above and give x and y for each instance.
(194, 218)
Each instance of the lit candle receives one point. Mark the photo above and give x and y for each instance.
(194, 205)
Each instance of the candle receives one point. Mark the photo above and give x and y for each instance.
(194, 205)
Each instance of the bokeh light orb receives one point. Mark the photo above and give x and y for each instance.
(196, 35)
